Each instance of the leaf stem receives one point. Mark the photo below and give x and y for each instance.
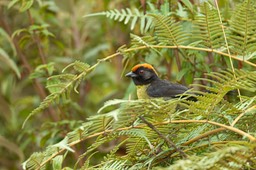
(226, 42)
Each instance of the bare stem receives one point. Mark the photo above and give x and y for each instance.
(169, 142)
(37, 40)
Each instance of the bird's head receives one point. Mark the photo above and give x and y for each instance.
(142, 74)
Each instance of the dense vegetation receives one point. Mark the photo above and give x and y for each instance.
(65, 103)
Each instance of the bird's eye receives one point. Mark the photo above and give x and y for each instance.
(141, 71)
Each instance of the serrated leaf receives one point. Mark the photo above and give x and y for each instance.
(81, 66)
(57, 83)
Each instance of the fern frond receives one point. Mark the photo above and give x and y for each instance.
(127, 15)
(229, 157)
(60, 86)
(143, 145)
(208, 27)
(169, 32)
(222, 82)
(33, 162)
(112, 164)
(242, 32)
(145, 40)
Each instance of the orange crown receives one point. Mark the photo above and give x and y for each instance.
(145, 65)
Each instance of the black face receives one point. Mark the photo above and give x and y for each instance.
(142, 76)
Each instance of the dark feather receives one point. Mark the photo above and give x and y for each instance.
(163, 88)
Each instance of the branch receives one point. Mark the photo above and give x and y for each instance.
(219, 129)
(169, 142)
(37, 40)
(193, 48)
(204, 135)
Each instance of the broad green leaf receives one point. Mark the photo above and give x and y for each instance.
(8, 38)
(12, 3)
(26, 4)
(5, 58)
(57, 162)
(188, 4)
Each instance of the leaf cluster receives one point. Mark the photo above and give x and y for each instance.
(185, 122)
(215, 132)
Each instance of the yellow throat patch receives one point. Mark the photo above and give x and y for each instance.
(142, 93)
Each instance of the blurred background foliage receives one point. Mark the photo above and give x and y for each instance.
(39, 38)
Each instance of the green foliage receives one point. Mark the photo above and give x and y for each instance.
(126, 15)
(60, 86)
(207, 27)
(144, 148)
(241, 32)
(231, 157)
(168, 31)
(85, 122)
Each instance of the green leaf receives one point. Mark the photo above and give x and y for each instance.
(63, 145)
(127, 15)
(42, 70)
(18, 31)
(81, 66)
(78, 66)
(9, 39)
(5, 58)
(12, 3)
(57, 162)
(188, 4)
(26, 4)
(181, 12)
(56, 84)
(182, 73)
(113, 102)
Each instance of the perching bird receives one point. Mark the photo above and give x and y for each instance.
(149, 85)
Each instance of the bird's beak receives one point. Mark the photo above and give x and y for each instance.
(131, 74)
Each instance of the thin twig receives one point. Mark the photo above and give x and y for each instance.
(242, 114)
(204, 135)
(226, 42)
(191, 48)
(169, 142)
(178, 62)
(37, 40)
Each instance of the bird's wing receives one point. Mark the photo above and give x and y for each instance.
(164, 88)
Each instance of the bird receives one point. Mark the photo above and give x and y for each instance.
(149, 85)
